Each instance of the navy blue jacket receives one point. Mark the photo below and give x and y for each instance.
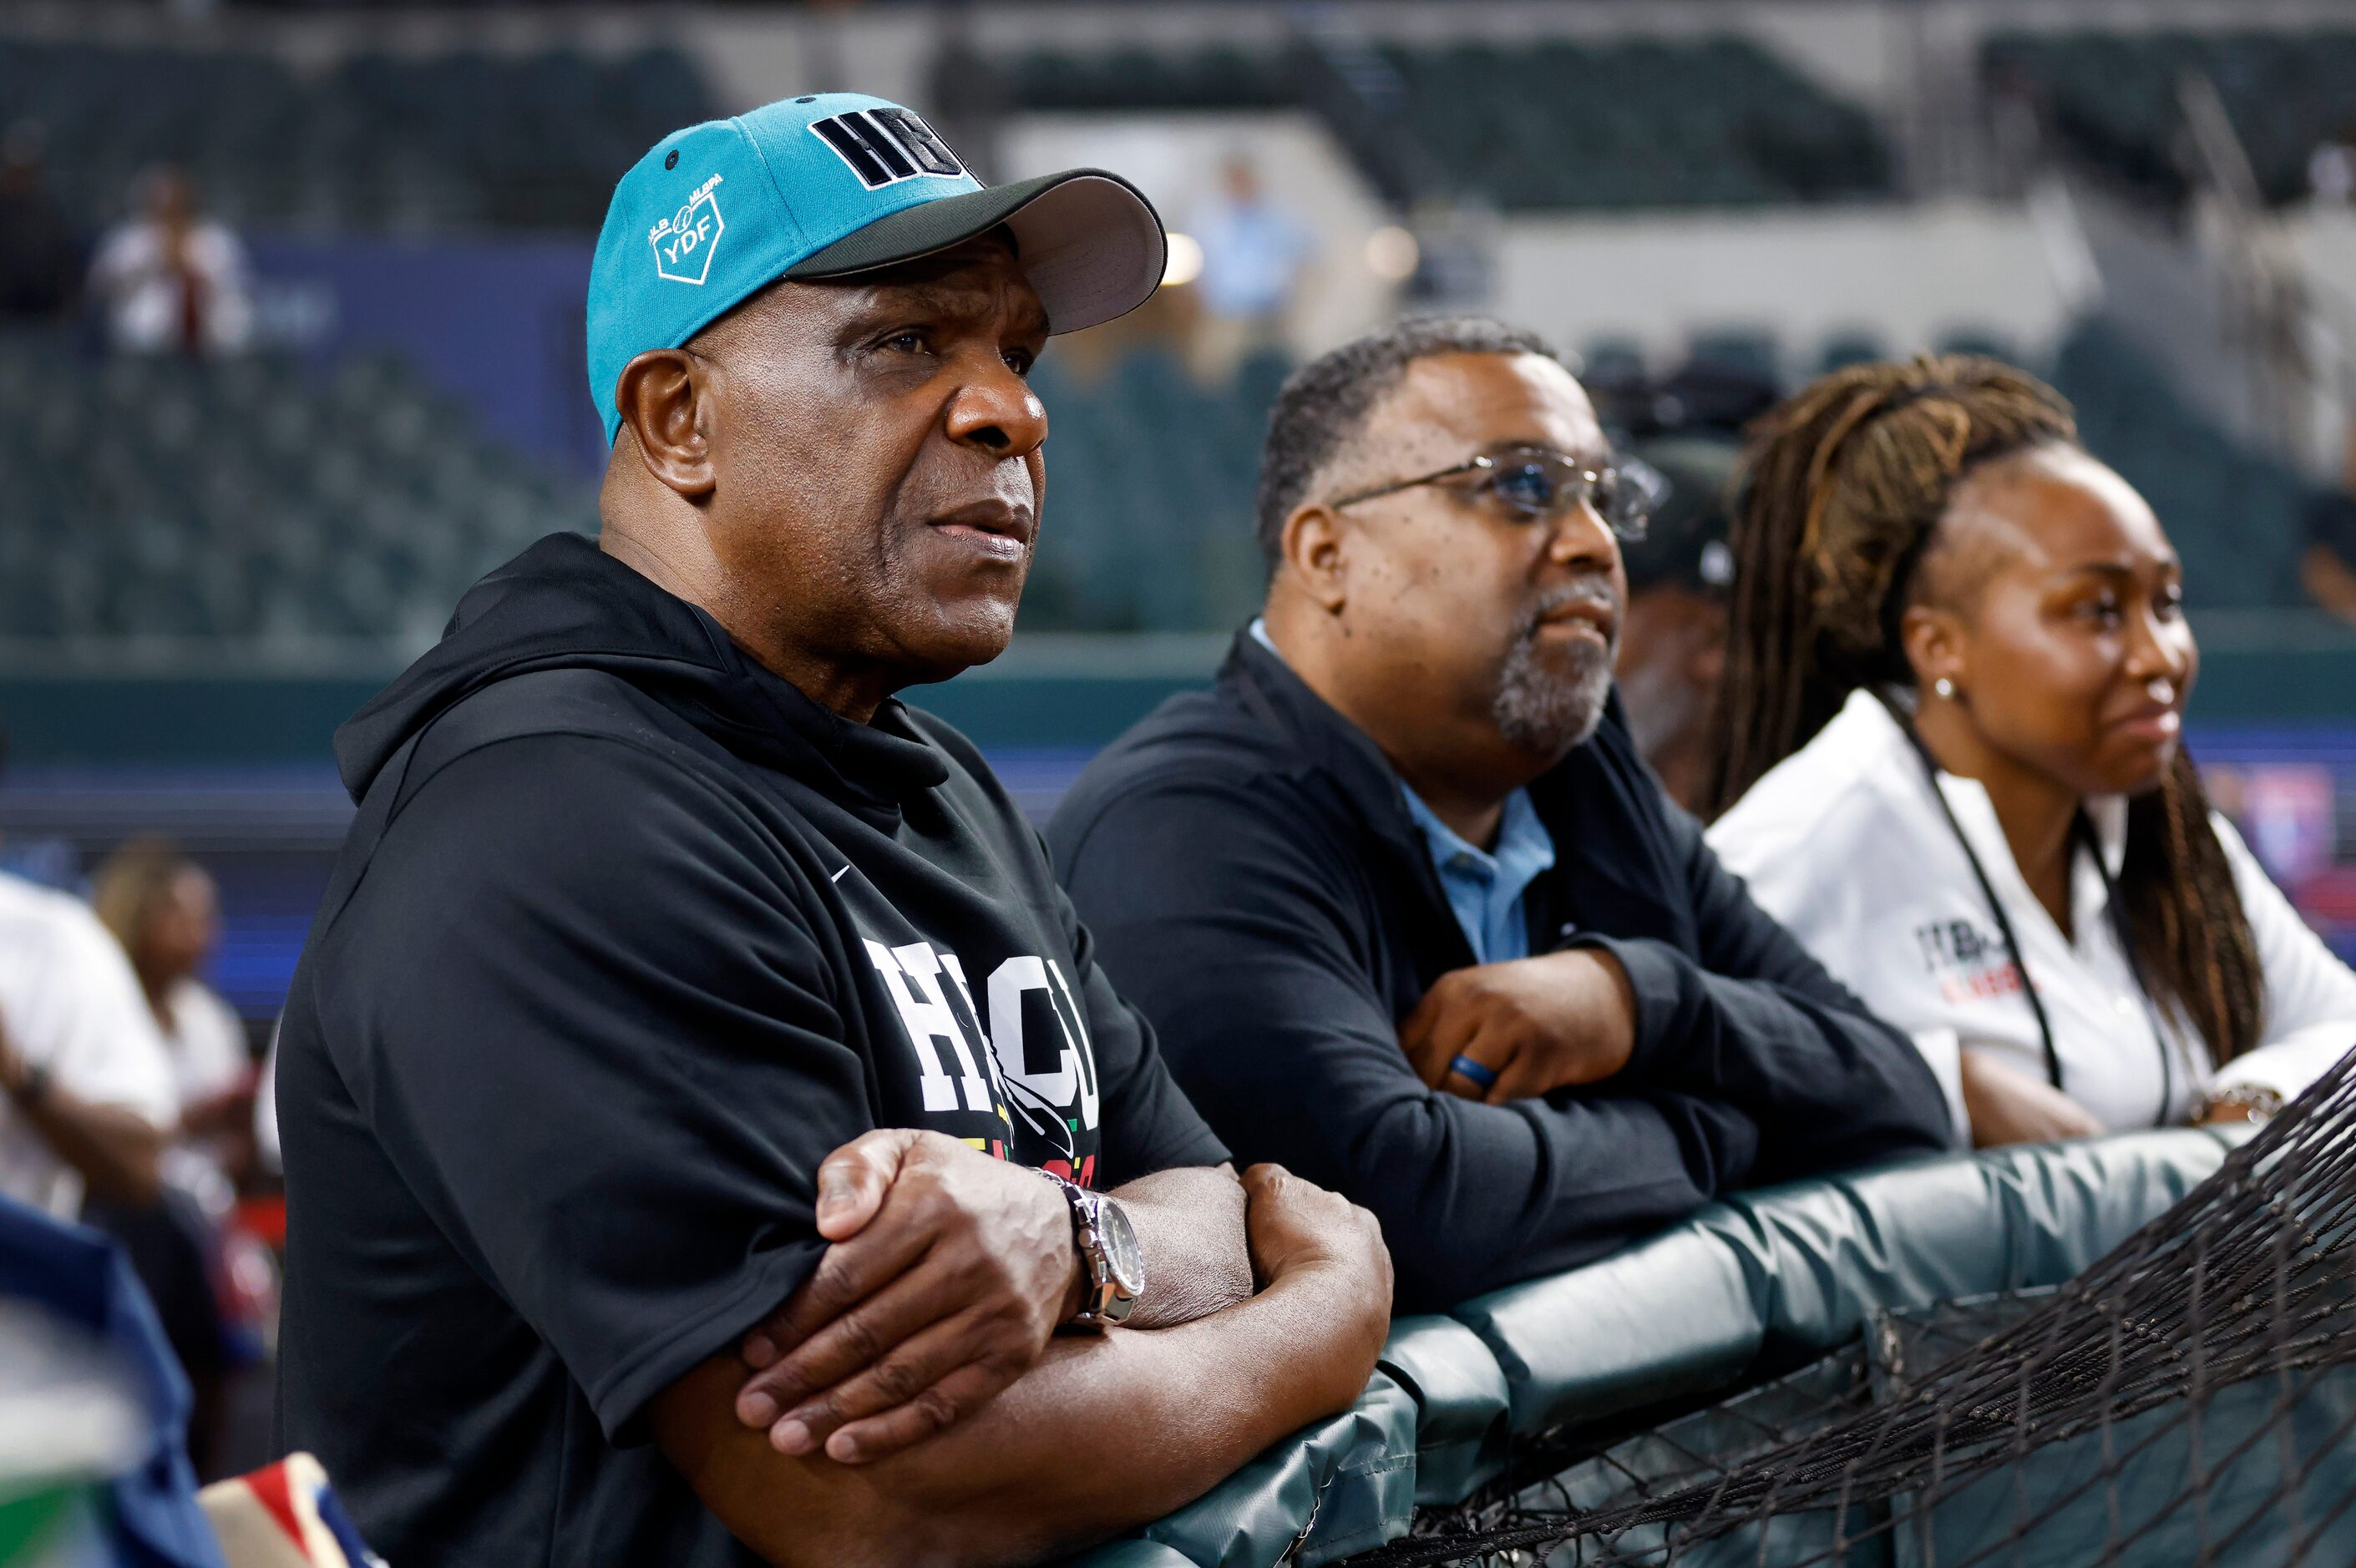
(1256, 887)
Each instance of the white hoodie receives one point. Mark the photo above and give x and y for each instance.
(1843, 842)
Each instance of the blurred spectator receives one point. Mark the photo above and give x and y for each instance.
(1253, 252)
(1673, 635)
(2332, 169)
(86, 1096)
(162, 908)
(172, 280)
(40, 255)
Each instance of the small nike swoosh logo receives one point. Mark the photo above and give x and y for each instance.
(838, 876)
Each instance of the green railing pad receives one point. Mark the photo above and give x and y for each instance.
(1775, 1277)
(1130, 1554)
(1333, 1489)
(1462, 1401)
(1672, 1315)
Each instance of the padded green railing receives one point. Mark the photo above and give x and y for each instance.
(1745, 1288)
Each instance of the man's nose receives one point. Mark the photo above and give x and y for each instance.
(996, 411)
(1583, 540)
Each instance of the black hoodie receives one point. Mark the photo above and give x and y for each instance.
(628, 935)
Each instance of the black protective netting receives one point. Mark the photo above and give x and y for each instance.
(2191, 1398)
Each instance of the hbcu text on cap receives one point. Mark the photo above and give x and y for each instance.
(884, 146)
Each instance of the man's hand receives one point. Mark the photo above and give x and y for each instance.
(948, 1273)
(1294, 1226)
(1537, 1024)
(2009, 1106)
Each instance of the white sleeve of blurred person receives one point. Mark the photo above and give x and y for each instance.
(265, 1109)
(210, 1057)
(72, 1011)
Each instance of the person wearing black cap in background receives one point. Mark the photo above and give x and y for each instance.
(1673, 633)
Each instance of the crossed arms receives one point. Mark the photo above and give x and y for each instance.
(912, 1404)
(1616, 1111)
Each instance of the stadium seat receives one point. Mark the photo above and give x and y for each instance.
(2113, 97)
(382, 142)
(232, 503)
(1553, 125)
(2234, 515)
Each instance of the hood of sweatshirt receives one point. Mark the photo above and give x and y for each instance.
(564, 603)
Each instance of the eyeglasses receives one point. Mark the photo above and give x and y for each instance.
(1534, 483)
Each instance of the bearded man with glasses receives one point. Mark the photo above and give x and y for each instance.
(1403, 902)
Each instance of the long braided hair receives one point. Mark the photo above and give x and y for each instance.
(1846, 481)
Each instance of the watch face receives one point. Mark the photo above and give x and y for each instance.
(1122, 1255)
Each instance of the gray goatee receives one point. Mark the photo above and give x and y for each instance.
(1538, 706)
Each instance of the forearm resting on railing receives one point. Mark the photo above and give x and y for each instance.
(1110, 1431)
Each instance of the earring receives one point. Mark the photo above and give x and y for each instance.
(1944, 687)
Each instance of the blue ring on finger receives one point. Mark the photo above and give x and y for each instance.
(1483, 1077)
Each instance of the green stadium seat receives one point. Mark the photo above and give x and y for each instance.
(1844, 350)
(237, 501)
(1554, 124)
(2113, 98)
(2235, 516)
(528, 140)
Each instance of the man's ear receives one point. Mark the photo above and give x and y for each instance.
(1314, 551)
(664, 399)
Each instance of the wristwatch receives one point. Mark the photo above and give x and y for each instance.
(1112, 1265)
(2256, 1103)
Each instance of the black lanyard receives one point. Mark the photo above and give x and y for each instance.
(2081, 833)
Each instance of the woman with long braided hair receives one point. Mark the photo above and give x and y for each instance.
(1948, 757)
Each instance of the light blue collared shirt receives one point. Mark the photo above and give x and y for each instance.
(1484, 888)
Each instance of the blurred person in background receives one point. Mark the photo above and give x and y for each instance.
(89, 1101)
(163, 907)
(1398, 896)
(1253, 254)
(1673, 633)
(163, 910)
(2332, 169)
(170, 280)
(41, 252)
(1950, 756)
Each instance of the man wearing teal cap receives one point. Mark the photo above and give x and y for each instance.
(702, 1111)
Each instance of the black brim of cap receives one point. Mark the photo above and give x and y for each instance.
(1089, 241)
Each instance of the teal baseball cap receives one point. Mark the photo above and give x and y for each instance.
(826, 185)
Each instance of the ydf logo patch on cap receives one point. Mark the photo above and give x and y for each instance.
(684, 241)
